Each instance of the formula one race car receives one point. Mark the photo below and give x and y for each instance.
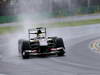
(40, 44)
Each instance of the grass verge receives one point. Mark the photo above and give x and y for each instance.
(75, 23)
(7, 29)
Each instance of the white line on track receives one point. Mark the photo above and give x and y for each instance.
(2, 74)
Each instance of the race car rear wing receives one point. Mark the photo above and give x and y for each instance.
(35, 31)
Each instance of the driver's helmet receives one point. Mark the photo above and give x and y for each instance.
(39, 33)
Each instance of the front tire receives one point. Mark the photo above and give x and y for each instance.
(61, 53)
(25, 55)
(60, 43)
(25, 46)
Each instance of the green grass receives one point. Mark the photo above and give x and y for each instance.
(7, 29)
(76, 23)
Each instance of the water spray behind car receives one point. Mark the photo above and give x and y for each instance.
(26, 12)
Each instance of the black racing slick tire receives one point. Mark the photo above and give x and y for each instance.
(25, 55)
(61, 53)
(25, 46)
(60, 43)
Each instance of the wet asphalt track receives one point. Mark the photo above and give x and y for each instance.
(78, 60)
